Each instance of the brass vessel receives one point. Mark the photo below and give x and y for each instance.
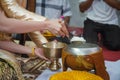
(53, 51)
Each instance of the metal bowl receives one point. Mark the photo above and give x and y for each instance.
(53, 49)
(78, 48)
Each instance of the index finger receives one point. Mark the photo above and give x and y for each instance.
(64, 30)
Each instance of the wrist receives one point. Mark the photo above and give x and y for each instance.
(46, 24)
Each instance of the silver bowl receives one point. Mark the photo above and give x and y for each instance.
(79, 48)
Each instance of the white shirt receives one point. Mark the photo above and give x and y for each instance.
(53, 9)
(101, 12)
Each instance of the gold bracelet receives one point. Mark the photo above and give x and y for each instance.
(33, 51)
(32, 54)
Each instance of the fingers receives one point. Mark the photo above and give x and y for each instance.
(64, 30)
(58, 28)
(44, 58)
(39, 53)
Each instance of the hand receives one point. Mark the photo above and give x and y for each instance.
(57, 27)
(39, 53)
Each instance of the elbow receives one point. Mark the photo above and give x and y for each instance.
(81, 9)
(118, 5)
(119, 8)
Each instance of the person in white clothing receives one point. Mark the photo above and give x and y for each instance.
(54, 9)
(101, 18)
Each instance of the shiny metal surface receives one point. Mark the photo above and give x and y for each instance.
(53, 49)
(13, 10)
(55, 65)
(79, 48)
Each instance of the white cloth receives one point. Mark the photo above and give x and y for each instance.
(77, 38)
(101, 12)
(53, 9)
(46, 74)
(113, 69)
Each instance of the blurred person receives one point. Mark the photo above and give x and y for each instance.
(12, 25)
(101, 18)
(15, 19)
(52, 9)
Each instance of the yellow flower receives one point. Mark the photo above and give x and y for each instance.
(74, 75)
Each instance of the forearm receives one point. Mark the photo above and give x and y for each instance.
(22, 3)
(113, 3)
(85, 5)
(11, 10)
(67, 20)
(17, 26)
(15, 48)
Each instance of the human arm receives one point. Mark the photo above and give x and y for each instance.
(66, 12)
(113, 3)
(22, 3)
(13, 10)
(83, 6)
(11, 25)
(67, 20)
(19, 49)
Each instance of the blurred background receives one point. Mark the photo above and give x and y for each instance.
(78, 17)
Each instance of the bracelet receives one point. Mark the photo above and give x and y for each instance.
(32, 54)
(33, 51)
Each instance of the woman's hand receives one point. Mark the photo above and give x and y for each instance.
(57, 27)
(39, 53)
